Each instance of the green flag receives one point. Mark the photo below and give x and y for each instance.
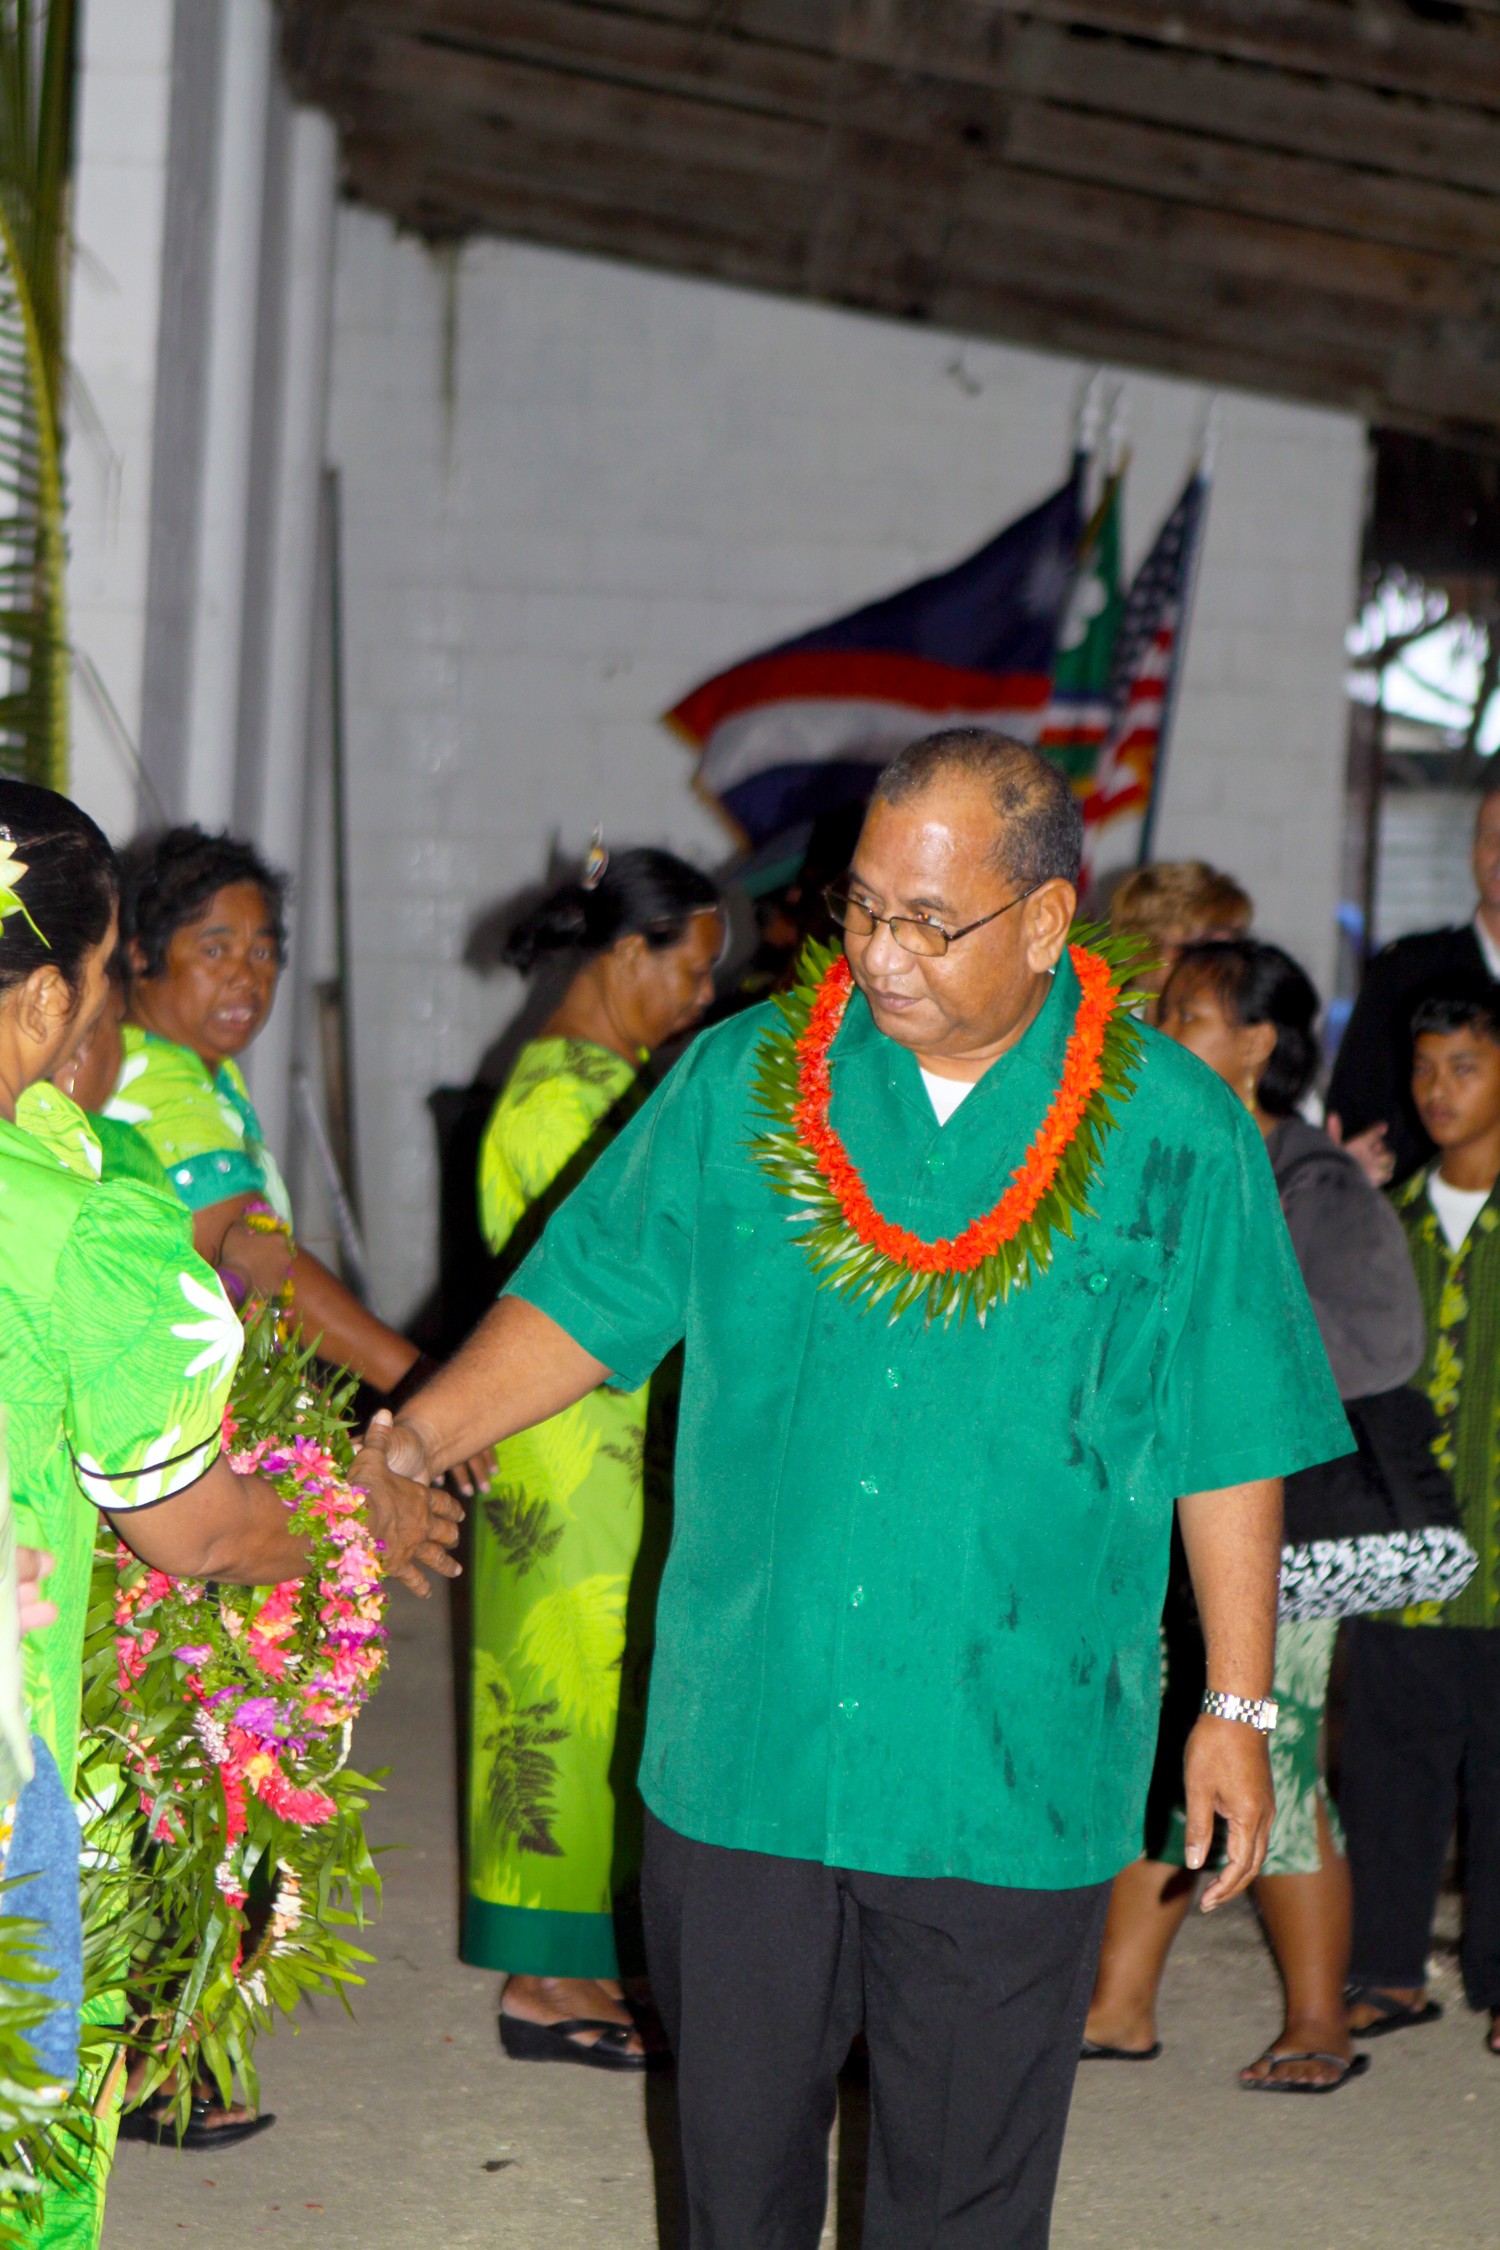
(1078, 714)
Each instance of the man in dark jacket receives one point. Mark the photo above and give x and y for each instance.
(1371, 1082)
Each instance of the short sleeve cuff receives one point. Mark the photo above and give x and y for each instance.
(629, 1364)
(1213, 1472)
(166, 1467)
(215, 1177)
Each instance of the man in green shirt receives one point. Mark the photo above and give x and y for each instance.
(906, 1685)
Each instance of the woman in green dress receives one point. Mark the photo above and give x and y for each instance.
(203, 937)
(117, 1344)
(558, 1683)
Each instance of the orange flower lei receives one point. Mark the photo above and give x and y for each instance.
(865, 1253)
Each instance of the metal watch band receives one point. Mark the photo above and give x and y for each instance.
(1260, 1714)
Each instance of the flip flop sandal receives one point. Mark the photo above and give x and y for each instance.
(1356, 2067)
(1395, 2017)
(554, 2042)
(154, 2126)
(1094, 2050)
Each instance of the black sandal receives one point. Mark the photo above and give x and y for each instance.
(554, 2042)
(1395, 2015)
(1355, 2067)
(154, 2125)
(1094, 2050)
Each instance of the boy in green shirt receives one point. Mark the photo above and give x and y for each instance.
(1424, 1686)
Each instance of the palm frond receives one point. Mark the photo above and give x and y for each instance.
(37, 59)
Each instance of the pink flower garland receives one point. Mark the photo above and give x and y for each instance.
(270, 1682)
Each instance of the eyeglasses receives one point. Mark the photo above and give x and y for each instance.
(913, 936)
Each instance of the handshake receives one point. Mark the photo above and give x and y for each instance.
(416, 1521)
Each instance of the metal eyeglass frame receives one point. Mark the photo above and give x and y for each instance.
(839, 901)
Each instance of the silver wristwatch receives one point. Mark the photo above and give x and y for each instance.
(1260, 1714)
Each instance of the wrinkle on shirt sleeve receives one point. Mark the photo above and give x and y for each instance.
(1247, 1392)
(614, 1262)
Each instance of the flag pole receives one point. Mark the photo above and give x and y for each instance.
(1208, 441)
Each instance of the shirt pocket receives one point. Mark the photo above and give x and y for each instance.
(1121, 1295)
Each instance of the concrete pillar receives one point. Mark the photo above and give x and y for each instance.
(218, 614)
(274, 808)
(120, 197)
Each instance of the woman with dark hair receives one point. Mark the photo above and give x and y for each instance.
(117, 1344)
(1250, 1013)
(557, 1697)
(203, 941)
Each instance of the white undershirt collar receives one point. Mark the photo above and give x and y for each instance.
(1487, 945)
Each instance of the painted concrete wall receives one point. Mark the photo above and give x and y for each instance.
(572, 488)
(201, 302)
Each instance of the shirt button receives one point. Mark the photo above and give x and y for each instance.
(868, 1484)
(936, 1160)
(1098, 1282)
(893, 1377)
(744, 1226)
(851, 1705)
(856, 1597)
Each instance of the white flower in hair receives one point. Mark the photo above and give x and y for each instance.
(11, 871)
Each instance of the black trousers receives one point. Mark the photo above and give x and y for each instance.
(1423, 1721)
(972, 1998)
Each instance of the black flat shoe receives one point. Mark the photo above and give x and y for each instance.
(554, 2042)
(1355, 2067)
(1093, 2050)
(1394, 2015)
(155, 2127)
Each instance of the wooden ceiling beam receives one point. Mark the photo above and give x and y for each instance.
(1373, 132)
(1377, 44)
(1213, 205)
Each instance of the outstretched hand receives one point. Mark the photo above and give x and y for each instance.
(1228, 1773)
(415, 1523)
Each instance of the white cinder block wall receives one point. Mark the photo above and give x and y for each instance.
(571, 488)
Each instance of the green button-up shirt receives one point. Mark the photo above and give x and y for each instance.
(909, 1620)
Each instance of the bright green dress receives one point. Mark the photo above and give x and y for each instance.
(201, 1125)
(557, 1705)
(117, 1348)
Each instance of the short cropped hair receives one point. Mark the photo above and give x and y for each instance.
(1170, 899)
(1040, 837)
(170, 880)
(1443, 1013)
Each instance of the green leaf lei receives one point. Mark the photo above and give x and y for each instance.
(862, 1269)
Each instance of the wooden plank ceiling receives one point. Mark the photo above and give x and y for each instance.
(1301, 196)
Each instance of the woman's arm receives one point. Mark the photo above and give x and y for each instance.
(235, 1528)
(332, 1319)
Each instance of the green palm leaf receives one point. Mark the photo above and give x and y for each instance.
(37, 41)
(573, 1638)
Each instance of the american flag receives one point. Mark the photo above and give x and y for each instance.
(1118, 809)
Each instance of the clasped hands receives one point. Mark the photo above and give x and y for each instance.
(416, 1521)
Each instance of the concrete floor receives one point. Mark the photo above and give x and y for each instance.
(407, 2127)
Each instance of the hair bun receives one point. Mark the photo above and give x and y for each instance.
(559, 925)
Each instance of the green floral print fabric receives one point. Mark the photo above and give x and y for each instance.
(201, 1125)
(556, 1542)
(117, 1348)
(1460, 1292)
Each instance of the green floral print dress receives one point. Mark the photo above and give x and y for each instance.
(557, 1703)
(201, 1125)
(117, 1349)
(1460, 1292)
